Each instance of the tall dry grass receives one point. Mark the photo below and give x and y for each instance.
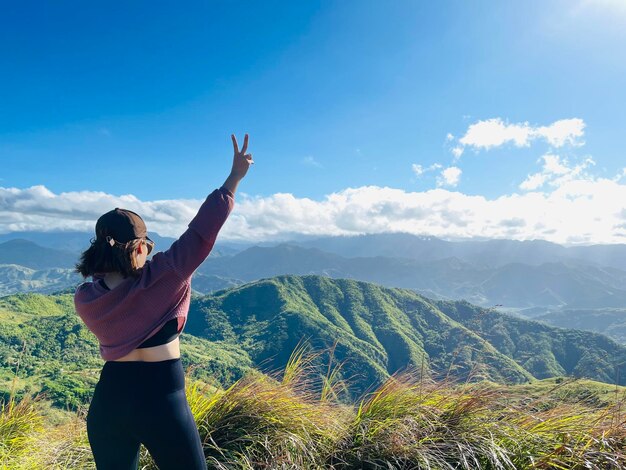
(410, 422)
(293, 419)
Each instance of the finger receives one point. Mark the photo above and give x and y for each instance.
(245, 144)
(235, 143)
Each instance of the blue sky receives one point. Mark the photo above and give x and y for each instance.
(140, 99)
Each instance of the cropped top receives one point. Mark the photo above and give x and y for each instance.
(139, 308)
(168, 332)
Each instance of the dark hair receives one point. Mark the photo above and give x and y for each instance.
(101, 257)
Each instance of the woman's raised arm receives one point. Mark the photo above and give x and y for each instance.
(195, 244)
(241, 163)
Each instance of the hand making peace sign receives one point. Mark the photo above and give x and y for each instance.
(241, 160)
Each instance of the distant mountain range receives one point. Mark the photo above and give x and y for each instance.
(76, 242)
(29, 254)
(534, 279)
(14, 278)
(485, 253)
(26, 266)
(514, 285)
(482, 253)
(608, 321)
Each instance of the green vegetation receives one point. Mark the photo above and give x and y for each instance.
(29, 306)
(409, 421)
(374, 331)
(543, 350)
(378, 330)
(608, 321)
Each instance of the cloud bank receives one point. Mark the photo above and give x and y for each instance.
(495, 132)
(577, 210)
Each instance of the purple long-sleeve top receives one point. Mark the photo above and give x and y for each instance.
(124, 317)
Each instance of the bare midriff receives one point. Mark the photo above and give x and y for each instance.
(163, 352)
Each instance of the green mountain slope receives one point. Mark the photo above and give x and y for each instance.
(379, 330)
(543, 350)
(610, 322)
(375, 330)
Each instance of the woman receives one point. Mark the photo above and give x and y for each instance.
(137, 308)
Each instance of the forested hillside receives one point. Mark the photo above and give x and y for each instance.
(374, 330)
(379, 330)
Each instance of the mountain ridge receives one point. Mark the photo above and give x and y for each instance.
(397, 323)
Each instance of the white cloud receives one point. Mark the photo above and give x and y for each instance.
(495, 132)
(449, 177)
(577, 210)
(419, 170)
(37, 208)
(565, 131)
(556, 171)
(554, 165)
(311, 161)
(533, 182)
(620, 176)
(457, 152)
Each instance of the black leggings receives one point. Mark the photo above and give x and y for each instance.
(143, 402)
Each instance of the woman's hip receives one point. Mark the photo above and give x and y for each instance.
(131, 391)
(134, 378)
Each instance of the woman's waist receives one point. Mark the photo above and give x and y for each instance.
(141, 379)
(162, 352)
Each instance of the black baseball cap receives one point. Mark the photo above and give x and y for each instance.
(121, 225)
